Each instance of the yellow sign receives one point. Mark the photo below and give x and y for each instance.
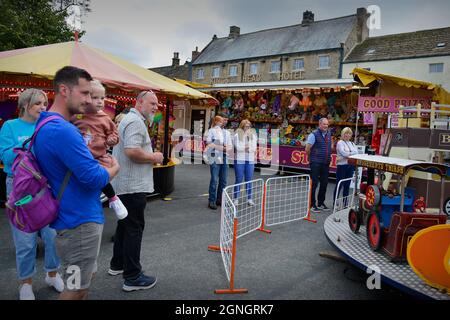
(381, 166)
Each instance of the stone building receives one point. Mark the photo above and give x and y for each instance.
(307, 51)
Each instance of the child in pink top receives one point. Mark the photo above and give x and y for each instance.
(100, 133)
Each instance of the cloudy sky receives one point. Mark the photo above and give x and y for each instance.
(147, 32)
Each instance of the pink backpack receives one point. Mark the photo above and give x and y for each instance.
(31, 205)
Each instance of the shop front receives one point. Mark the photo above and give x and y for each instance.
(284, 113)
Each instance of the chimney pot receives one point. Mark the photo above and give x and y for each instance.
(235, 31)
(308, 18)
(175, 59)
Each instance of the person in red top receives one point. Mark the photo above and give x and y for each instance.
(100, 133)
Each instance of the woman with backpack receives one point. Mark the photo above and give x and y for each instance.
(12, 135)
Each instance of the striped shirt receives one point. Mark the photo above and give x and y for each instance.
(133, 177)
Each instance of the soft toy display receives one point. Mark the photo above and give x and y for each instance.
(305, 102)
(276, 106)
(294, 102)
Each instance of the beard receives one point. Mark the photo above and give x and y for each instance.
(75, 108)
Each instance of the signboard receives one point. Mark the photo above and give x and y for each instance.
(390, 104)
(381, 166)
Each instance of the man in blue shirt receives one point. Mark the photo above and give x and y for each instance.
(318, 148)
(60, 148)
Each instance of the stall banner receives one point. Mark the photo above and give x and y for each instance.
(296, 157)
(390, 104)
(287, 156)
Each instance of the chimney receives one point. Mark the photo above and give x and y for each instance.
(234, 32)
(175, 60)
(362, 29)
(308, 18)
(195, 54)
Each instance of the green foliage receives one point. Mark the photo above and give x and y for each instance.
(29, 23)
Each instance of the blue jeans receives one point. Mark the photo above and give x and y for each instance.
(243, 170)
(219, 174)
(26, 244)
(319, 174)
(343, 171)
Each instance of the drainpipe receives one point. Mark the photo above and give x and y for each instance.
(341, 60)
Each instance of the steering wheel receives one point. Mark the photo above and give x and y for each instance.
(419, 205)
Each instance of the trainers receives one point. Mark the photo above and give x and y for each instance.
(26, 292)
(55, 282)
(212, 205)
(323, 207)
(140, 283)
(113, 272)
(236, 202)
(118, 207)
(250, 202)
(314, 209)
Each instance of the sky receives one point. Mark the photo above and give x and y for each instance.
(148, 32)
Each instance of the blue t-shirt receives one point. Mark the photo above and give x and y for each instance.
(59, 147)
(13, 134)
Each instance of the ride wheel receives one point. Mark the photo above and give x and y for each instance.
(373, 196)
(447, 206)
(374, 231)
(354, 220)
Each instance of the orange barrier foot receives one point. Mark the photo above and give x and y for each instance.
(230, 291)
(264, 230)
(214, 248)
(310, 220)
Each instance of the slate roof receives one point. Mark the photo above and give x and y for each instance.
(403, 45)
(179, 72)
(319, 35)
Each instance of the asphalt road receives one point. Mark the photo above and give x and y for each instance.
(283, 265)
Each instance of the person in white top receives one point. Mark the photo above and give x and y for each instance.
(218, 145)
(344, 149)
(244, 163)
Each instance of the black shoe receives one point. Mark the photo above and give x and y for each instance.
(323, 207)
(218, 203)
(212, 205)
(140, 283)
(314, 209)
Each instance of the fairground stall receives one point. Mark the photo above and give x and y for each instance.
(411, 120)
(294, 109)
(35, 68)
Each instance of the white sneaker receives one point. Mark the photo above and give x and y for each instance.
(119, 209)
(26, 292)
(250, 202)
(236, 202)
(55, 282)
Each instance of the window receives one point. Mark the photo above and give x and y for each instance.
(275, 66)
(215, 72)
(370, 52)
(441, 45)
(232, 71)
(200, 73)
(253, 68)
(436, 67)
(324, 62)
(299, 64)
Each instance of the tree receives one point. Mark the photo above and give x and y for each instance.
(29, 23)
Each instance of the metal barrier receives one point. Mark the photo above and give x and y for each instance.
(245, 207)
(342, 203)
(287, 199)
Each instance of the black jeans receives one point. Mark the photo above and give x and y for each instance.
(319, 174)
(108, 190)
(128, 237)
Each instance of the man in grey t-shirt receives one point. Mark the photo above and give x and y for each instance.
(135, 156)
